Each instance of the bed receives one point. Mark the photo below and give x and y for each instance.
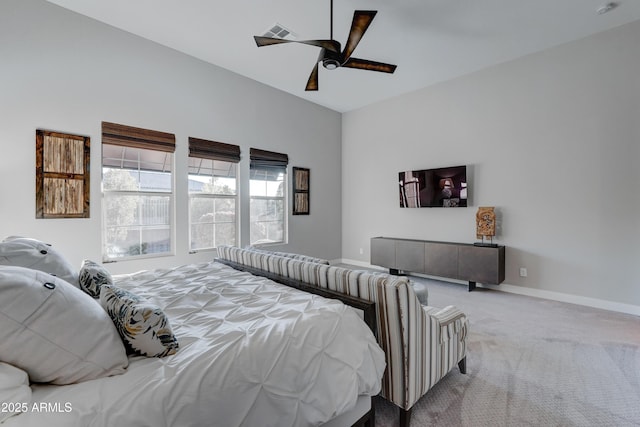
(252, 352)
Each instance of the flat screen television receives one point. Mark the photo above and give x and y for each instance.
(431, 188)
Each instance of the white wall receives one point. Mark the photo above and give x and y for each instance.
(552, 140)
(62, 71)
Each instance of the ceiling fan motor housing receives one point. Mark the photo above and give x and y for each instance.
(330, 64)
(331, 60)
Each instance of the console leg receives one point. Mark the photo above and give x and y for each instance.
(472, 286)
(462, 365)
(405, 417)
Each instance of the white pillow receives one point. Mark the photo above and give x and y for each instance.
(15, 393)
(37, 255)
(54, 331)
(143, 327)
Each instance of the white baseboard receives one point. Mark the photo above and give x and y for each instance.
(522, 290)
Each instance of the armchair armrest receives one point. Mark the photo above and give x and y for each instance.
(451, 321)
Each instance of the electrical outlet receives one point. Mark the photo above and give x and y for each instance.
(523, 272)
(361, 251)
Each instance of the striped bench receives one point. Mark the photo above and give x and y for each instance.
(421, 343)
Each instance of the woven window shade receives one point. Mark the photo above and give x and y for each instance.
(268, 159)
(213, 150)
(128, 136)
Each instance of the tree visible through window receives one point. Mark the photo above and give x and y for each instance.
(268, 197)
(212, 203)
(137, 190)
(213, 193)
(136, 206)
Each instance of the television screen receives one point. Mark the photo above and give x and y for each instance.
(430, 188)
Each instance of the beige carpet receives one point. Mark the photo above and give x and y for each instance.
(533, 362)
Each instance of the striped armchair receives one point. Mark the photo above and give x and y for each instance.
(421, 343)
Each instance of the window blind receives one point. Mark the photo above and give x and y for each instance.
(129, 136)
(213, 150)
(268, 159)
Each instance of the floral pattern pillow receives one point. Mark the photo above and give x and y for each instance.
(92, 276)
(143, 327)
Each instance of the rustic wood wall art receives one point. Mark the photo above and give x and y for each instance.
(62, 175)
(300, 191)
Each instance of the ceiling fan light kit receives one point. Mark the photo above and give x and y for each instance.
(330, 64)
(331, 56)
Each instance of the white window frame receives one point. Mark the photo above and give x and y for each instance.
(106, 194)
(285, 208)
(215, 196)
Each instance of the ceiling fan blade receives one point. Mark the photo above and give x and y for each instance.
(365, 64)
(361, 21)
(312, 83)
(331, 45)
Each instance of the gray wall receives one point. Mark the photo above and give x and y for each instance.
(62, 71)
(552, 140)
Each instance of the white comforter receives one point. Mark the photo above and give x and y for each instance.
(252, 353)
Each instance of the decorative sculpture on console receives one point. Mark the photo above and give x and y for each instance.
(485, 225)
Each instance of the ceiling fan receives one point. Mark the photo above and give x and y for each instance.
(330, 55)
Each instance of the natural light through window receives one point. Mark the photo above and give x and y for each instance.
(268, 205)
(213, 201)
(137, 188)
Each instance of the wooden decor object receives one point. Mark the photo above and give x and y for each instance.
(300, 191)
(486, 223)
(62, 175)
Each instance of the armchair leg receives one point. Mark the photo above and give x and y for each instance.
(462, 365)
(405, 417)
(371, 421)
(405, 414)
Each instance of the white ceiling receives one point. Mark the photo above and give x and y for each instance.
(430, 40)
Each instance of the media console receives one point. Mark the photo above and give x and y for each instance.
(461, 261)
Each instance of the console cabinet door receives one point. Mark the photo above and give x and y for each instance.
(410, 256)
(480, 264)
(441, 259)
(383, 252)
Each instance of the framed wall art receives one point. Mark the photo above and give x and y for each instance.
(62, 175)
(300, 191)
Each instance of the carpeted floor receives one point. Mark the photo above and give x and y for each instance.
(533, 362)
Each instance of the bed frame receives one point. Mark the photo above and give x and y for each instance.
(368, 309)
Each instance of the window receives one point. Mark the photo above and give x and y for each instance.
(268, 208)
(213, 194)
(137, 189)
